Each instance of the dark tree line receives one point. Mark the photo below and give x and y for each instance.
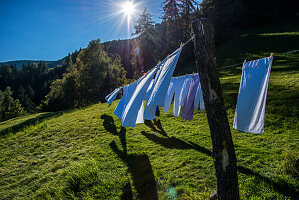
(85, 78)
(30, 84)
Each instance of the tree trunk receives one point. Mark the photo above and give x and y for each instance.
(223, 148)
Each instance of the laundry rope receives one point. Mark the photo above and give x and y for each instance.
(284, 53)
(188, 41)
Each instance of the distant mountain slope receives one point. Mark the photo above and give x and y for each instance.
(20, 63)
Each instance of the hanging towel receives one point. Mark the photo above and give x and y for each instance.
(130, 113)
(169, 95)
(199, 99)
(150, 111)
(180, 94)
(250, 110)
(140, 119)
(184, 90)
(161, 85)
(188, 109)
(110, 97)
(149, 89)
(120, 106)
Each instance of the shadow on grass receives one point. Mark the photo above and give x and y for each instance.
(175, 143)
(142, 173)
(280, 187)
(158, 128)
(109, 124)
(127, 192)
(32, 121)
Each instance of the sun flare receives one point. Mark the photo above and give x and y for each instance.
(128, 8)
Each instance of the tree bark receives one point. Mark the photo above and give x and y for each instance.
(223, 148)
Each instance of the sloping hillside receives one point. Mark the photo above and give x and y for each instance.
(84, 154)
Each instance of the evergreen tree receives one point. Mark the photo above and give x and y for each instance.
(9, 108)
(187, 8)
(171, 14)
(147, 42)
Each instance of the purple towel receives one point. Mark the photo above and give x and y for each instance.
(188, 109)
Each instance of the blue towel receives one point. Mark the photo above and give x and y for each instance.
(250, 110)
(110, 97)
(184, 90)
(129, 116)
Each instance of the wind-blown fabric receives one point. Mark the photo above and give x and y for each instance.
(199, 99)
(150, 111)
(184, 90)
(175, 88)
(121, 104)
(169, 95)
(188, 109)
(160, 85)
(110, 97)
(250, 110)
(149, 89)
(130, 113)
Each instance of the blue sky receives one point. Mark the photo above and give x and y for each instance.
(50, 29)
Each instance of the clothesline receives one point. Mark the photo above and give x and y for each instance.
(289, 52)
(157, 88)
(188, 40)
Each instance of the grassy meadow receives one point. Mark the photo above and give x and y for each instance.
(85, 154)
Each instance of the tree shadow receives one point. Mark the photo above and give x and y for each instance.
(174, 143)
(280, 187)
(142, 173)
(127, 192)
(32, 121)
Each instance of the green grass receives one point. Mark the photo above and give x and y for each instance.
(85, 154)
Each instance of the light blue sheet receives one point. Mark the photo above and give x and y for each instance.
(121, 104)
(129, 116)
(150, 111)
(169, 95)
(184, 90)
(160, 87)
(250, 110)
(177, 95)
(178, 88)
(110, 97)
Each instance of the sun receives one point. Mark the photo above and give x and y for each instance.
(128, 8)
